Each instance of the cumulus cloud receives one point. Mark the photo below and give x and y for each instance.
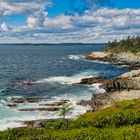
(93, 26)
(8, 7)
(4, 27)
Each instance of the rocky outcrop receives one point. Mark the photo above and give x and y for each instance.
(119, 84)
(116, 84)
(124, 59)
(96, 56)
(123, 87)
(93, 80)
(131, 74)
(101, 101)
(97, 102)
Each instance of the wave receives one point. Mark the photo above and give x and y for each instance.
(60, 79)
(16, 118)
(1, 90)
(70, 80)
(19, 117)
(74, 57)
(96, 88)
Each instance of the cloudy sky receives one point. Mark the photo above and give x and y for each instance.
(59, 21)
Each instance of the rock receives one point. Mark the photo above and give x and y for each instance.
(126, 59)
(96, 56)
(40, 109)
(28, 82)
(131, 74)
(34, 123)
(92, 80)
(97, 102)
(55, 103)
(29, 100)
(11, 105)
(116, 84)
(119, 84)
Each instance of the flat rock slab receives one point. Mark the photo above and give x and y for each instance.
(40, 109)
(29, 100)
(54, 104)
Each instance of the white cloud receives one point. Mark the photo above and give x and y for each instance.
(101, 25)
(8, 7)
(60, 22)
(4, 27)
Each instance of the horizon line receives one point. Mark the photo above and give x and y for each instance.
(51, 43)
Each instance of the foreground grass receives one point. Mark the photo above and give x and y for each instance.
(118, 122)
(90, 133)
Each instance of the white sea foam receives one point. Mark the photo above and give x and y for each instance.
(74, 57)
(16, 121)
(9, 124)
(17, 116)
(27, 116)
(96, 88)
(60, 80)
(69, 80)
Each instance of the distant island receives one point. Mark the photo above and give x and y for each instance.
(115, 114)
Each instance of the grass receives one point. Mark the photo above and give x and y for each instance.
(129, 44)
(134, 50)
(121, 121)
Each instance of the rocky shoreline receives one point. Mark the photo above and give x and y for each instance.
(127, 60)
(123, 87)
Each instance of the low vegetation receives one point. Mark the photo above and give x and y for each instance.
(130, 44)
(121, 121)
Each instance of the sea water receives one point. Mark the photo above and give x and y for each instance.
(55, 69)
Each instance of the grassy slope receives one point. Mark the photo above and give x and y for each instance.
(118, 122)
(134, 50)
(130, 44)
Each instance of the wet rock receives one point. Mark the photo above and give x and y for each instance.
(97, 102)
(116, 84)
(28, 82)
(92, 80)
(29, 100)
(54, 104)
(40, 109)
(11, 105)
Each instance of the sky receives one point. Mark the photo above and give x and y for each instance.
(68, 21)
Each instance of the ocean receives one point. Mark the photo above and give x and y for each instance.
(55, 69)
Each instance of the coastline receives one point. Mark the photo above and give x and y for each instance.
(100, 101)
(123, 87)
(125, 59)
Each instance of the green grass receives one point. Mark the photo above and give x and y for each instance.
(134, 50)
(129, 44)
(121, 121)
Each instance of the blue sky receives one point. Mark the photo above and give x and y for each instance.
(56, 21)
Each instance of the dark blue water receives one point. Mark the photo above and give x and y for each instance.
(54, 67)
